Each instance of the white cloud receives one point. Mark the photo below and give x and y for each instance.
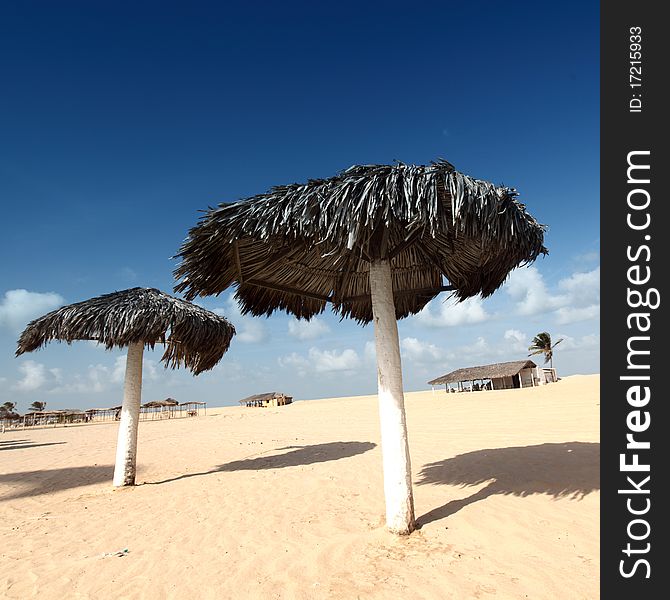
(117, 373)
(249, 330)
(307, 330)
(417, 351)
(150, 370)
(230, 370)
(321, 361)
(583, 289)
(578, 296)
(480, 347)
(574, 298)
(570, 343)
(19, 307)
(527, 288)
(35, 375)
(370, 352)
(588, 257)
(582, 294)
(332, 360)
(478, 352)
(296, 362)
(517, 340)
(567, 315)
(96, 378)
(447, 312)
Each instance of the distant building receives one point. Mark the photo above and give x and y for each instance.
(498, 376)
(267, 399)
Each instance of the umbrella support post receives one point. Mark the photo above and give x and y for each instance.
(395, 448)
(126, 447)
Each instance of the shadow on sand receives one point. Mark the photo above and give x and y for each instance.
(297, 456)
(35, 483)
(566, 470)
(21, 444)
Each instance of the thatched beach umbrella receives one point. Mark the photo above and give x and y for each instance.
(378, 243)
(138, 317)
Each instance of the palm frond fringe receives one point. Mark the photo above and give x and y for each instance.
(193, 337)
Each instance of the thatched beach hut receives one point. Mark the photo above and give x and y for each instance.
(267, 399)
(9, 418)
(497, 376)
(159, 408)
(113, 413)
(192, 408)
(377, 242)
(135, 318)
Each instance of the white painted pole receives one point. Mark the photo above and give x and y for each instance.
(126, 446)
(395, 448)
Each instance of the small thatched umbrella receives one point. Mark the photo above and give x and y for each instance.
(377, 242)
(138, 317)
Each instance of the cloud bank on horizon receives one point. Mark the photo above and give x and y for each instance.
(325, 356)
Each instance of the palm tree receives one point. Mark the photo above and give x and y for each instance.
(8, 407)
(37, 406)
(542, 345)
(7, 410)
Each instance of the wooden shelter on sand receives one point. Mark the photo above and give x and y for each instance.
(497, 376)
(55, 417)
(113, 413)
(170, 408)
(267, 399)
(157, 409)
(192, 409)
(161, 409)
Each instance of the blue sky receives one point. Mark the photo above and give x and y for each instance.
(120, 122)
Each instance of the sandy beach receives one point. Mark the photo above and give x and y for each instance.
(287, 503)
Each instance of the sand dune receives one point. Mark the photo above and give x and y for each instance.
(287, 503)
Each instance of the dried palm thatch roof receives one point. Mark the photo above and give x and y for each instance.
(299, 246)
(9, 415)
(494, 371)
(160, 403)
(193, 336)
(58, 412)
(267, 396)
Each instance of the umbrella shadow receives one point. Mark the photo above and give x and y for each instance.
(295, 457)
(21, 444)
(564, 470)
(46, 481)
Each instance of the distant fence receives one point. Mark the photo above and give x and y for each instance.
(152, 411)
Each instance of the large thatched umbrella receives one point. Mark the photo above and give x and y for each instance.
(376, 241)
(136, 318)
